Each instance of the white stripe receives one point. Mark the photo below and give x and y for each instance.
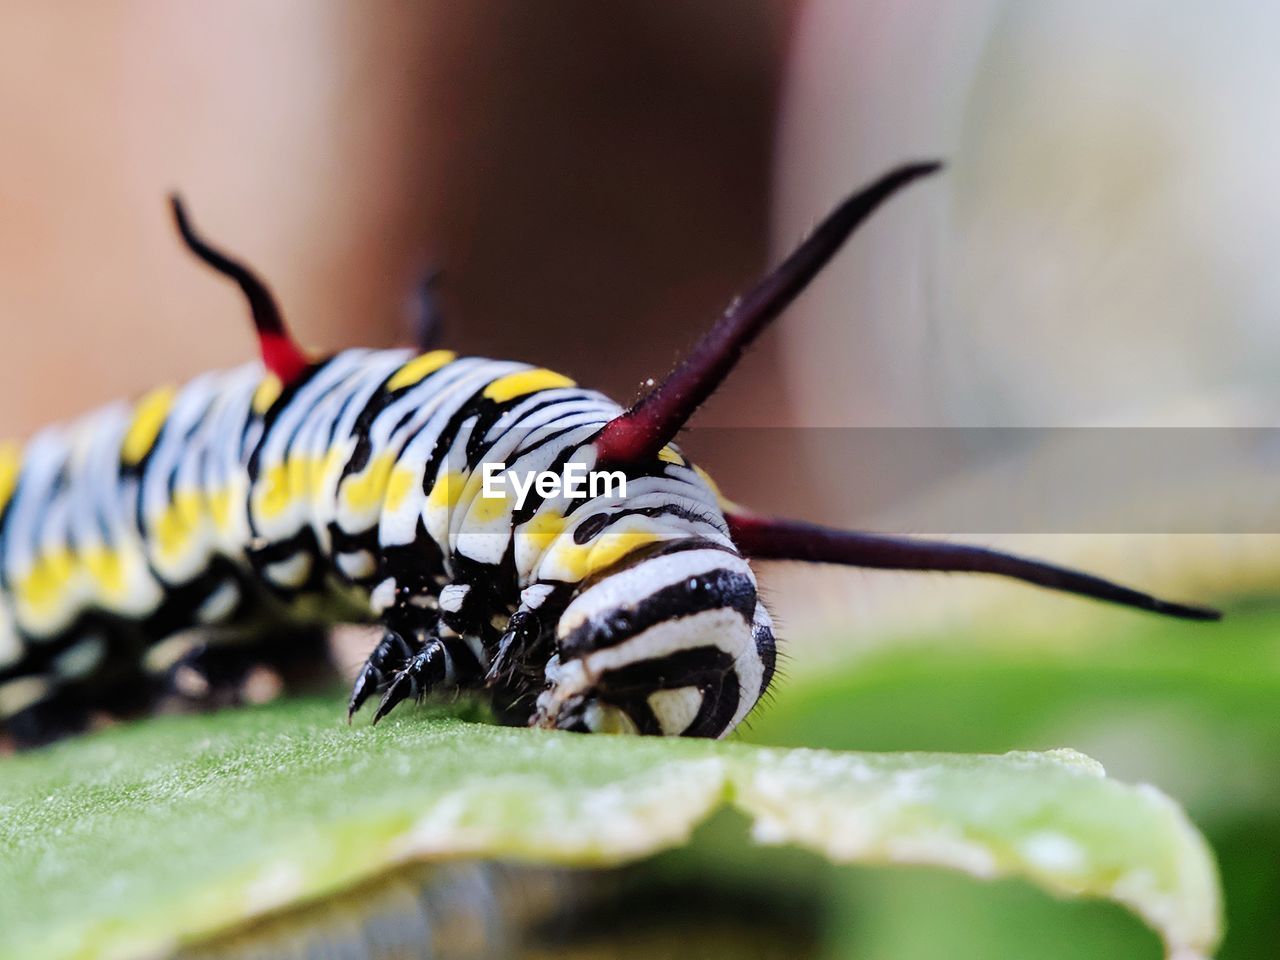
(17, 695)
(452, 597)
(10, 644)
(632, 585)
(219, 604)
(356, 564)
(723, 628)
(291, 572)
(675, 709)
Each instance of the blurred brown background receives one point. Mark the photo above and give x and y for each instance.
(593, 180)
(596, 180)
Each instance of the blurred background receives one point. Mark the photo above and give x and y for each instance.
(596, 180)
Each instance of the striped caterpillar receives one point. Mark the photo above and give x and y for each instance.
(257, 505)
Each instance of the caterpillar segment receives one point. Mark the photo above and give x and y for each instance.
(211, 527)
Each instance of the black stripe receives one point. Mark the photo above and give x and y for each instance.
(491, 412)
(381, 399)
(694, 667)
(767, 650)
(593, 526)
(650, 551)
(287, 396)
(719, 704)
(713, 590)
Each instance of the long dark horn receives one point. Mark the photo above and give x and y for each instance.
(280, 354)
(772, 539)
(655, 419)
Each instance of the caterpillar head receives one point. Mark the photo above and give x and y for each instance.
(673, 643)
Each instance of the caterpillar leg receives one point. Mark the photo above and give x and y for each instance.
(61, 715)
(400, 669)
(212, 674)
(427, 670)
(67, 685)
(387, 659)
(517, 649)
(517, 673)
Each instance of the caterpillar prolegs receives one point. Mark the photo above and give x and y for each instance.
(258, 505)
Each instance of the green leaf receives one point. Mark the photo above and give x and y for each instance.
(130, 842)
(1188, 707)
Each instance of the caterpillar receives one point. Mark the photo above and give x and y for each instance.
(254, 507)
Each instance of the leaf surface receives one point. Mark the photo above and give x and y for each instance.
(128, 843)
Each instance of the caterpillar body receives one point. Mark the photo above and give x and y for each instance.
(294, 493)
